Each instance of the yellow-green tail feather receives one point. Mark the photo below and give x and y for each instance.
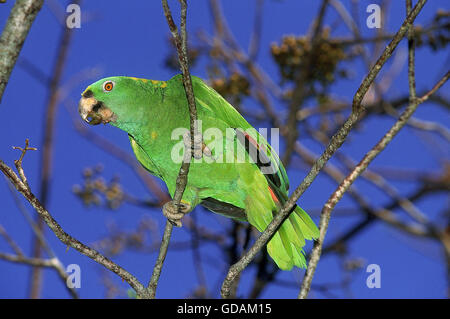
(286, 246)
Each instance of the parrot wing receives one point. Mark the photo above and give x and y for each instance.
(286, 246)
(211, 102)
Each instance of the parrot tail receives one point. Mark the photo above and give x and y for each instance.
(286, 246)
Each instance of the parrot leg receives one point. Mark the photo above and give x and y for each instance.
(175, 213)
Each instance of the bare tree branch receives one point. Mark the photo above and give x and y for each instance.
(180, 39)
(13, 36)
(66, 238)
(411, 54)
(348, 181)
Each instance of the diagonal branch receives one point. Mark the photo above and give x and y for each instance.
(348, 181)
(63, 236)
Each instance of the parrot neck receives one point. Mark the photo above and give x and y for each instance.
(143, 113)
(151, 120)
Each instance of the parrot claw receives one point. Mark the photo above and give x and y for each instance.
(175, 213)
(199, 149)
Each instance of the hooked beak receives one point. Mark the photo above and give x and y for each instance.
(94, 112)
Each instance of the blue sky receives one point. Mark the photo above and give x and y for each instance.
(130, 38)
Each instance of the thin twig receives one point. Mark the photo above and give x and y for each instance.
(301, 89)
(411, 53)
(18, 163)
(255, 40)
(152, 285)
(37, 262)
(10, 241)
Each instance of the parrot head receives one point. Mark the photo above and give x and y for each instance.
(108, 101)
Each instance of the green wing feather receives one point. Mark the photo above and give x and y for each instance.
(207, 98)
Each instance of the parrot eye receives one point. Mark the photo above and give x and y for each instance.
(108, 86)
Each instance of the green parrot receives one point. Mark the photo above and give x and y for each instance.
(238, 174)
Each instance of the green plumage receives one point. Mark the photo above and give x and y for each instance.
(149, 111)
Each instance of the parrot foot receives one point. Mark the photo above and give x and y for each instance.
(175, 213)
(199, 149)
